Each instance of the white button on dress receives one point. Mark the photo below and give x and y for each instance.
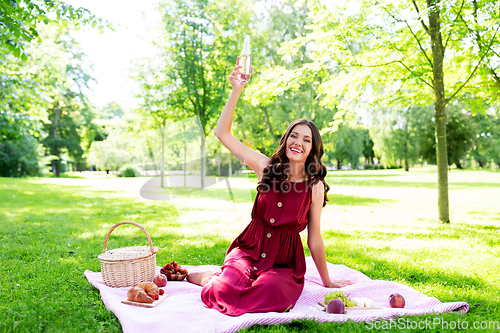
(263, 255)
(271, 220)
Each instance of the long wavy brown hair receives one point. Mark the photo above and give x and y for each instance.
(275, 172)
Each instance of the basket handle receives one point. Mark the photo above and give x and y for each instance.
(132, 223)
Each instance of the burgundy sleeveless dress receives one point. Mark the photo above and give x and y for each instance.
(265, 265)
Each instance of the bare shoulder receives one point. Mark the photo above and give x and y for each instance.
(318, 190)
(319, 186)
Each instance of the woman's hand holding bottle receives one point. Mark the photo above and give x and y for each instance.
(236, 79)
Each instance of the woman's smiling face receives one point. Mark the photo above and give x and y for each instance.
(299, 144)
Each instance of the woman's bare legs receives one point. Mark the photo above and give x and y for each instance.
(200, 278)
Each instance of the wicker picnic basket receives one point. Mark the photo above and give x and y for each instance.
(128, 266)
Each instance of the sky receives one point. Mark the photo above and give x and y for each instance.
(113, 51)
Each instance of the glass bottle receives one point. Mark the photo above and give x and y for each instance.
(246, 60)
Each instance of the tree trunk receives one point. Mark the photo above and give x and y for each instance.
(218, 167)
(269, 127)
(185, 165)
(203, 164)
(185, 149)
(407, 166)
(162, 151)
(439, 109)
(57, 162)
(407, 138)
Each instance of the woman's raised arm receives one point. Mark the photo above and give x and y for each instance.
(253, 159)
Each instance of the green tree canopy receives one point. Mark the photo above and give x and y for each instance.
(487, 141)
(387, 52)
(20, 22)
(196, 53)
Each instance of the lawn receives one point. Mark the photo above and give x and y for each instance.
(380, 222)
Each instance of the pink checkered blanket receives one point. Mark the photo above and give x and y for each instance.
(183, 310)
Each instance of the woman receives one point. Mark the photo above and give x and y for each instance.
(265, 266)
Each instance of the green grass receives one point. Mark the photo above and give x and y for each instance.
(379, 222)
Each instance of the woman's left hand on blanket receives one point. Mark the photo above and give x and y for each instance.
(339, 284)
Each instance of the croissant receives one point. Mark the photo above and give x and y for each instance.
(149, 288)
(137, 294)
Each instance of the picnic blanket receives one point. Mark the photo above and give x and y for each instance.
(183, 310)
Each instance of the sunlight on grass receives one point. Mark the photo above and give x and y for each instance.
(87, 235)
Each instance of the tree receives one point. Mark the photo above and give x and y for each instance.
(264, 115)
(345, 145)
(110, 154)
(487, 141)
(45, 97)
(461, 131)
(22, 100)
(368, 152)
(155, 88)
(396, 132)
(18, 130)
(397, 49)
(197, 53)
(18, 149)
(125, 144)
(68, 111)
(111, 110)
(20, 22)
(480, 23)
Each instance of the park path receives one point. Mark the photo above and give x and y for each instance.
(398, 202)
(223, 215)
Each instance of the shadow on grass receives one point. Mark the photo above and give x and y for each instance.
(64, 175)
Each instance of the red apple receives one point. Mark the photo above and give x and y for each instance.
(160, 280)
(336, 306)
(396, 301)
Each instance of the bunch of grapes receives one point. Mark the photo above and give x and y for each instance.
(339, 295)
